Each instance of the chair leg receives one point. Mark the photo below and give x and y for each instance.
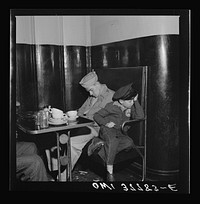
(58, 156)
(143, 169)
(145, 165)
(47, 151)
(143, 162)
(69, 166)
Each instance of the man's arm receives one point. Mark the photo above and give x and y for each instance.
(137, 111)
(84, 107)
(99, 117)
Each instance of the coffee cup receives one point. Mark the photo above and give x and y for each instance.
(57, 113)
(72, 115)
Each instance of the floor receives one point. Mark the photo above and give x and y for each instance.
(80, 174)
(128, 172)
(87, 170)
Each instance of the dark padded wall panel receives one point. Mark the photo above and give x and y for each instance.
(115, 78)
(74, 70)
(26, 77)
(161, 54)
(50, 75)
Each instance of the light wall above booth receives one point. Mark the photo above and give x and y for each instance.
(91, 30)
(106, 29)
(56, 30)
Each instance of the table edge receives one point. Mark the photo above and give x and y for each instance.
(53, 129)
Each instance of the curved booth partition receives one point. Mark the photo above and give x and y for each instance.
(161, 54)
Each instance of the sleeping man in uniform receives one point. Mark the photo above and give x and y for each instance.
(99, 96)
(125, 106)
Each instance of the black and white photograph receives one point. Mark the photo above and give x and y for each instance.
(100, 100)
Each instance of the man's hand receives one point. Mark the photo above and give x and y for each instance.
(128, 112)
(110, 124)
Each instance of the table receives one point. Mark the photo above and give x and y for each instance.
(28, 126)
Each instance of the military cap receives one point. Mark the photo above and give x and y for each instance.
(127, 92)
(89, 80)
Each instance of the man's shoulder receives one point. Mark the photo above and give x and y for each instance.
(110, 91)
(106, 90)
(111, 107)
(110, 104)
(106, 96)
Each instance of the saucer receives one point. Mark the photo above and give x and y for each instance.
(59, 121)
(72, 119)
(72, 122)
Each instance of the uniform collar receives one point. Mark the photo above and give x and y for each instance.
(103, 90)
(116, 103)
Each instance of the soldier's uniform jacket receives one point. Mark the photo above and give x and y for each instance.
(113, 136)
(113, 113)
